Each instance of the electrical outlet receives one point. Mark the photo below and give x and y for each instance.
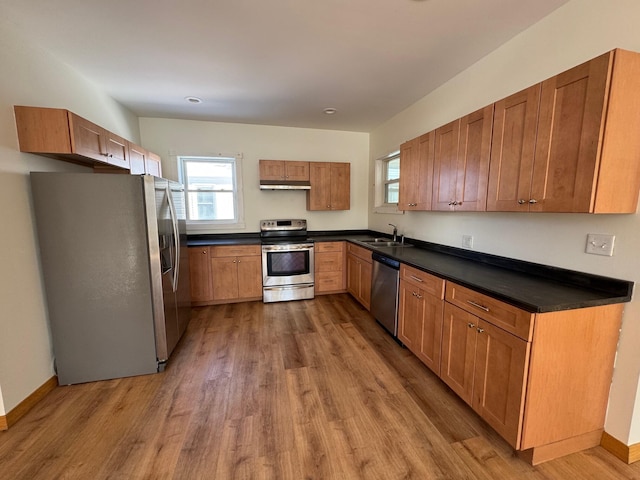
(467, 241)
(600, 244)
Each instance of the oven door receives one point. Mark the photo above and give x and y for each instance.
(287, 264)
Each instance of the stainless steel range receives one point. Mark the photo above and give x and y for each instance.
(287, 261)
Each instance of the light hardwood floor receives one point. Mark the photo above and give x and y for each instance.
(289, 391)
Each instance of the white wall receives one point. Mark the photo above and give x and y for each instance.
(170, 138)
(31, 77)
(576, 32)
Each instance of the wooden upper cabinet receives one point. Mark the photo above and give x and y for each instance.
(143, 161)
(330, 186)
(284, 170)
(461, 162)
(587, 156)
(515, 121)
(416, 173)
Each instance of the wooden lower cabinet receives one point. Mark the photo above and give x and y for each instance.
(486, 367)
(236, 273)
(200, 275)
(420, 309)
(330, 274)
(225, 274)
(359, 270)
(540, 380)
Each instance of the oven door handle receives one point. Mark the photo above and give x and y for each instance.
(285, 248)
(289, 287)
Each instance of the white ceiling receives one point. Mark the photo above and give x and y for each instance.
(272, 62)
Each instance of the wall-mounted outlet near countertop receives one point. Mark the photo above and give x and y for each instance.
(600, 244)
(467, 241)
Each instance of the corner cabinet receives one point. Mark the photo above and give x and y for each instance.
(330, 186)
(540, 380)
(144, 161)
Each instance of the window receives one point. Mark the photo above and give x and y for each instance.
(213, 191)
(387, 184)
(392, 179)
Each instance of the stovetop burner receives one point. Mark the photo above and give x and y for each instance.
(283, 231)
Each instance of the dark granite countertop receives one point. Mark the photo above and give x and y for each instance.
(533, 287)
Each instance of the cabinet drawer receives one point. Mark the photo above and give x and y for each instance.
(503, 315)
(428, 283)
(236, 250)
(359, 252)
(322, 247)
(329, 262)
(329, 282)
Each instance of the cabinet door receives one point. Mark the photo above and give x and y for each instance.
(458, 351)
(431, 341)
(153, 164)
(200, 274)
(359, 280)
(512, 149)
(366, 271)
(410, 316)
(474, 151)
(409, 173)
(500, 375)
(117, 150)
(340, 191)
(319, 197)
(296, 171)
(86, 138)
(569, 132)
(224, 278)
(353, 276)
(424, 186)
(137, 159)
(271, 169)
(445, 166)
(249, 277)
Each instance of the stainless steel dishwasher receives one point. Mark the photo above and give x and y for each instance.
(384, 292)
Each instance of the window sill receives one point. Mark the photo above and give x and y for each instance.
(388, 209)
(205, 227)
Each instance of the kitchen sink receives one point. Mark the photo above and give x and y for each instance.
(385, 242)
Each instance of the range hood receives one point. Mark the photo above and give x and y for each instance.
(284, 185)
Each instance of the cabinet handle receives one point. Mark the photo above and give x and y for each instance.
(234, 261)
(418, 296)
(477, 305)
(204, 252)
(470, 325)
(451, 204)
(533, 201)
(480, 330)
(417, 279)
(522, 201)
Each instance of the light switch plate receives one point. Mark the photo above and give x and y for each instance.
(600, 244)
(467, 241)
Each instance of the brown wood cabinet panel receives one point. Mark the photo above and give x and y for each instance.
(501, 366)
(570, 372)
(86, 138)
(153, 164)
(330, 268)
(474, 152)
(235, 250)
(416, 173)
(445, 165)
(359, 251)
(137, 159)
(330, 186)
(200, 274)
(224, 278)
(359, 273)
(289, 170)
(249, 277)
(503, 315)
(515, 121)
(117, 150)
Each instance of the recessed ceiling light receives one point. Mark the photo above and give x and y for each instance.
(330, 111)
(193, 99)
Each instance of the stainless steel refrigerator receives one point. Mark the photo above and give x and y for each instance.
(115, 268)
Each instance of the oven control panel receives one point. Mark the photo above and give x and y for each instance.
(282, 225)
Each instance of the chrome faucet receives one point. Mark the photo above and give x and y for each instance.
(395, 232)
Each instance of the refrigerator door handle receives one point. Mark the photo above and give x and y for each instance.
(176, 240)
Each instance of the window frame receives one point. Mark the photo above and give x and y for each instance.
(380, 183)
(236, 162)
(387, 181)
